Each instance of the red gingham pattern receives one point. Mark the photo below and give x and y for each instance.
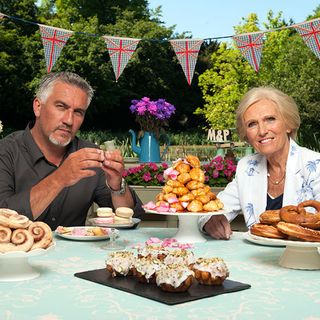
(250, 45)
(187, 52)
(310, 33)
(53, 40)
(120, 52)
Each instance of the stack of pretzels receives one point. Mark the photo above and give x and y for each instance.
(290, 222)
(18, 233)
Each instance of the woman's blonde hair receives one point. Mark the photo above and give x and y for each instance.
(287, 107)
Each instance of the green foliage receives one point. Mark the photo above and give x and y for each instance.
(287, 63)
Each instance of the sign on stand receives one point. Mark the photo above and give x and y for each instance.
(219, 135)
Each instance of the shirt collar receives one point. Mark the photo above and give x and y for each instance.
(33, 149)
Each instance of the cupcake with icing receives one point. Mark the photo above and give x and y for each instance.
(210, 271)
(180, 256)
(174, 278)
(120, 263)
(145, 269)
(153, 251)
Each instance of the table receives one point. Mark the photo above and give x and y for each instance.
(276, 292)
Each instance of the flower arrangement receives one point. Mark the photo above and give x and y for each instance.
(146, 174)
(218, 173)
(152, 115)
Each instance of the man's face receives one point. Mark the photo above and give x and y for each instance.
(60, 116)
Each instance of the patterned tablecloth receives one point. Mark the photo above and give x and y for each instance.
(276, 292)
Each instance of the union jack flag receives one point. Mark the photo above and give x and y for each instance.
(250, 45)
(310, 33)
(120, 52)
(187, 52)
(53, 39)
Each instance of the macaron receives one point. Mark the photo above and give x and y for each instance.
(124, 212)
(121, 220)
(105, 212)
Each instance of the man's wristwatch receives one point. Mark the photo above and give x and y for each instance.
(122, 189)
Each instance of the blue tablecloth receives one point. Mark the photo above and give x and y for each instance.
(276, 292)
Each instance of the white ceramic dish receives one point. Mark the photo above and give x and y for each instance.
(278, 242)
(188, 213)
(82, 238)
(297, 255)
(14, 266)
(97, 222)
(188, 229)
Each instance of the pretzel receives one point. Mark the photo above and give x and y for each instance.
(266, 231)
(299, 232)
(21, 240)
(270, 217)
(41, 234)
(11, 219)
(298, 215)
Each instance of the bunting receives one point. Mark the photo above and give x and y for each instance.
(187, 52)
(120, 52)
(310, 33)
(53, 39)
(250, 45)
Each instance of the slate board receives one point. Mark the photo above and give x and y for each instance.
(151, 291)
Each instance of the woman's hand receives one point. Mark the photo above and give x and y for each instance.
(218, 227)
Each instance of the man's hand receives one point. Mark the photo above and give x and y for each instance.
(218, 227)
(113, 166)
(77, 165)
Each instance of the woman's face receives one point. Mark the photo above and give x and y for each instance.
(265, 128)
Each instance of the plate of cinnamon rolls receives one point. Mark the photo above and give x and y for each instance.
(19, 236)
(290, 224)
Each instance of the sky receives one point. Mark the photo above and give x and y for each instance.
(216, 18)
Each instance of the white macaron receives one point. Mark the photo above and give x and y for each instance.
(105, 212)
(124, 212)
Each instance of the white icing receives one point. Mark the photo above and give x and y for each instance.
(121, 261)
(215, 266)
(152, 250)
(148, 267)
(180, 256)
(173, 275)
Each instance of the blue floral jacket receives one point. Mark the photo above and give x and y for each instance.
(247, 193)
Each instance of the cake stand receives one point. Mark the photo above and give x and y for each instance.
(188, 229)
(297, 254)
(14, 266)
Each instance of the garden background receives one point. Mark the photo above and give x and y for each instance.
(221, 76)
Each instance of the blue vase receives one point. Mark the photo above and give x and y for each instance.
(149, 150)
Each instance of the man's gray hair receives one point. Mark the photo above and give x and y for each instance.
(70, 78)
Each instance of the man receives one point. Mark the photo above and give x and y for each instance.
(49, 174)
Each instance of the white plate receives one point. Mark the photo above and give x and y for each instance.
(85, 238)
(23, 254)
(278, 242)
(186, 213)
(134, 223)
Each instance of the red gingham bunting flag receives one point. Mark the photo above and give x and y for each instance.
(53, 39)
(310, 33)
(120, 52)
(187, 52)
(250, 45)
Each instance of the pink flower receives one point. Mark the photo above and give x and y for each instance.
(170, 173)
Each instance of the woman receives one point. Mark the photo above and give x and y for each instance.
(279, 173)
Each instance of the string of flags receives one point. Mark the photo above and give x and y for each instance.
(121, 49)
